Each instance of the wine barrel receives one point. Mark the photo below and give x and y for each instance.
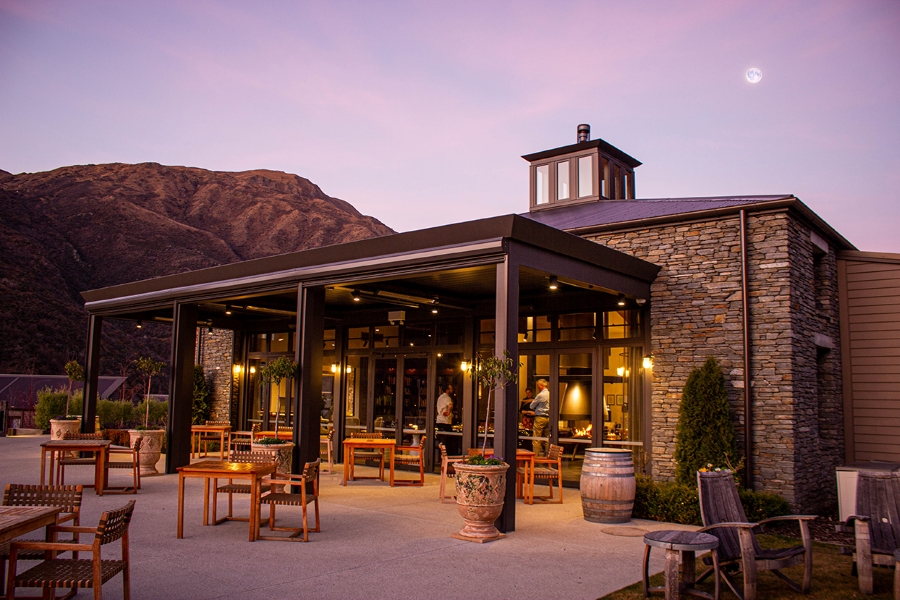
(607, 485)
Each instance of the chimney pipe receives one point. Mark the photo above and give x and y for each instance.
(584, 133)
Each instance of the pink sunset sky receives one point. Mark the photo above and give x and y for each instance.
(418, 113)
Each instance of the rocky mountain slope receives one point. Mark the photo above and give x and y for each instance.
(85, 227)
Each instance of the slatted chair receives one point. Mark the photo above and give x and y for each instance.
(409, 455)
(66, 460)
(208, 436)
(365, 455)
(131, 460)
(327, 444)
(303, 499)
(724, 517)
(243, 440)
(76, 573)
(481, 451)
(259, 457)
(67, 497)
(876, 524)
(552, 470)
(447, 469)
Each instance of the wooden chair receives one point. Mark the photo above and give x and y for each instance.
(364, 455)
(67, 497)
(328, 444)
(409, 455)
(133, 463)
(243, 440)
(552, 471)
(724, 517)
(76, 573)
(66, 460)
(447, 469)
(479, 452)
(206, 437)
(260, 457)
(273, 498)
(875, 524)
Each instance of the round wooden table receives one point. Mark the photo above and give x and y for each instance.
(685, 544)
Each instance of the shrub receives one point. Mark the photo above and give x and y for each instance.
(763, 505)
(705, 433)
(158, 413)
(52, 404)
(116, 413)
(202, 406)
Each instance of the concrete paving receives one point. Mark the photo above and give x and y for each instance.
(376, 542)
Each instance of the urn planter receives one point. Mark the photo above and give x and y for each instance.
(151, 448)
(285, 455)
(480, 490)
(60, 427)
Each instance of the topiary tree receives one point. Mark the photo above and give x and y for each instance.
(201, 407)
(705, 433)
(75, 372)
(147, 367)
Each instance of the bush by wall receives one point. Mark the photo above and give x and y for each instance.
(202, 406)
(52, 404)
(116, 413)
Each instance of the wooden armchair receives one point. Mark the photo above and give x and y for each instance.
(552, 470)
(67, 497)
(447, 469)
(309, 478)
(207, 437)
(876, 524)
(260, 457)
(724, 517)
(67, 460)
(132, 462)
(243, 440)
(364, 455)
(76, 573)
(409, 455)
(327, 444)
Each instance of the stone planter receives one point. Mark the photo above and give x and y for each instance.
(60, 427)
(151, 448)
(480, 490)
(285, 455)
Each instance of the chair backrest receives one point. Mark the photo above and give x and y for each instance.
(137, 443)
(555, 453)
(256, 428)
(218, 422)
(878, 497)
(257, 457)
(285, 428)
(71, 435)
(67, 497)
(720, 503)
(478, 451)
(363, 435)
(311, 470)
(114, 524)
(443, 450)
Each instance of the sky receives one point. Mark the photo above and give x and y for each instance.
(418, 113)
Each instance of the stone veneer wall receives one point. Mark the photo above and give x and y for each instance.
(696, 312)
(214, 351)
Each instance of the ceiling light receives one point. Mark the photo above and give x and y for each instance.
(434, 311)
(621, 301)
(355, 295)
(140, 325)
(227, 309)
(554, 282)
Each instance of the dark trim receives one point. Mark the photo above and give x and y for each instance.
(506, 407)
(308, 390)
(601, 145)
(92, 373)
(181, 387)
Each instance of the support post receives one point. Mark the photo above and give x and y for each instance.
(308, 386)
(181, 387)
(91, 374)
(506, 409)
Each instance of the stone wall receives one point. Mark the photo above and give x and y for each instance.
(696, 312)
(214, 352)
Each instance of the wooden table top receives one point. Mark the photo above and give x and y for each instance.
(69, 444)
(386, 442)
(677, 539)
(227, 467)
(210, 428)
(16, 520)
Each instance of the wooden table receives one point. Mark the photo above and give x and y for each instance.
(19, 520)
(526, 458)
(351, 444)
(99, 447)
(224, 432)
(223, 469)
(685, 543)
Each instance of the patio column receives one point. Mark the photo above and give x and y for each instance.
(91, 374)
(181, 387)
(308, 389)
(506, 422)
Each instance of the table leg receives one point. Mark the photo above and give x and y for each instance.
(43, 459)
(254, 506)
(100, 472)
(647, 571)
(671, 575)
(180, 531)
(206, 501)
(531, 477)
(688, 568)
(222, 445)
(347, 457)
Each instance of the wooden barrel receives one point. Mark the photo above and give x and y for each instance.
(607, 485)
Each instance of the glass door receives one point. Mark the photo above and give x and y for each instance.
(415, 399)
(576, 410)
(448, 404)
(622, 394)
(385, 414)
(356, 394)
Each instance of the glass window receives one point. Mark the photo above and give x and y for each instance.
(534, 367)
(450, 334)
(620, 324)
(534, 329)
(387, 336)
(486, 331)
(449, 381)
(562, 180)
(542, 184)
(358, 337)
(415, 399)
(280, 342)
(575, 410)
(585, 176)
(385, 396)
(622, 394)
(577, 326)
(329, 339)
(356, 379)
(258, 342)
(417, 336)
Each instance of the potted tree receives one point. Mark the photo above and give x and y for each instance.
(68, 423)
(152, 435)
(282, 368)
(480, 479)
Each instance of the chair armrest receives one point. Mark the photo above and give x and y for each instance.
(407, 448)
(70, 529)
(546, 461)
(731, 525)
(789, 518)
(283, 478)
(58, 546)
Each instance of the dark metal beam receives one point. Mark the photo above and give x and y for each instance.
(308, 389)
(181, 387)
(506, 409)
(91, 374)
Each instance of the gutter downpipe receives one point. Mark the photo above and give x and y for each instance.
(748, 403)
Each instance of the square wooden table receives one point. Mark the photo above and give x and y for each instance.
(223, 469)
(19, 520)
(526, 459)
(224, 432)
(351, 444)
(99, 447)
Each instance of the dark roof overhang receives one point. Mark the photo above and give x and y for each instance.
(602, 145)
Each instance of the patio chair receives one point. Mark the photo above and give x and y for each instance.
(447, 469)
(74, 460)
(876, 524)
(207, 436)
(327, 443)
(552, 470)
(366, 455)
(67, 497)
(309, 477)
(132, 463)
(76, 573)
(260, 457)
(724, 517)
(409, 455)
(243, 440)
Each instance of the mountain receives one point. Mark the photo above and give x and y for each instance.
(90, 226)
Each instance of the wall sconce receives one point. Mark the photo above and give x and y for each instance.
(620, 371)
(554, 282)
(140, 325)
(464, 366)
(252, 370)
(648, 362)
(334, 368)
(348, 369)
(237, 369)
(621, 301)
(227, 309)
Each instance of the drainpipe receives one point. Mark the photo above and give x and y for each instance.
(748, 403)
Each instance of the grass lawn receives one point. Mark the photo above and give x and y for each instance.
(831, 578)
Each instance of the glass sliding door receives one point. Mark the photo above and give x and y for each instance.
(385, 414)
(622, 399)
(448, 410)
(415, 398)
(356, 394)
(576, 410)
(534, 368)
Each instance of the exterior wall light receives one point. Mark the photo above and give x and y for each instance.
(648, 362)
(334, 367)
(237, 369)
(464, 366)
(140, 325)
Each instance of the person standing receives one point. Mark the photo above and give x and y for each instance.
(541, 407)
(444, 419)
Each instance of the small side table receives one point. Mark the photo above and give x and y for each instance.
(685, 544)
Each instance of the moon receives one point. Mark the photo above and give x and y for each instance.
(754, 75)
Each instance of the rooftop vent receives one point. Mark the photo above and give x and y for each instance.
(584, 133)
